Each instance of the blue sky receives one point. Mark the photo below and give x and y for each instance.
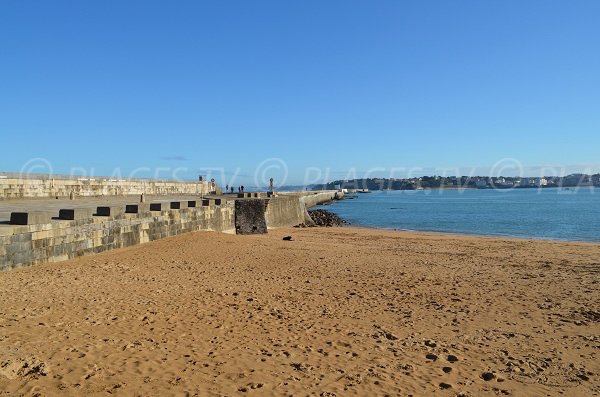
(160, 88)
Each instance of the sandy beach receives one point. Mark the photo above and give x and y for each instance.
(335, 312)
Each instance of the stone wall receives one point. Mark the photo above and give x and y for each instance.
(250, 216)
(285, 211)
(290, 209)
(57, 241)
(62, 240)
(88, 187)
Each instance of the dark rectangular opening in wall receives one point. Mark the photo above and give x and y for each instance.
(103, 211)
(205, 202)
(155, 206)
(192, 203)
(175, 205)
(132, 208)
(19, 218)
(66, 214)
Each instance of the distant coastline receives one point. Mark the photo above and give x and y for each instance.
(464, 182)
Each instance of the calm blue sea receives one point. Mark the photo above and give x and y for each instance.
(551, 213)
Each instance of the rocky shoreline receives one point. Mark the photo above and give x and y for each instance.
(324, 218)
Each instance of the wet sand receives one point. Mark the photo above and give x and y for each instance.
(336, 311)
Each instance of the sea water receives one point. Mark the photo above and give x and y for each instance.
(549, 213)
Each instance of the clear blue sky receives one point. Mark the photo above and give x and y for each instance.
(338, 85)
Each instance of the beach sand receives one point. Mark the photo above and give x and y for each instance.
(336, 311)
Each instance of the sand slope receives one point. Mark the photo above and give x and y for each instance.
(340, 311)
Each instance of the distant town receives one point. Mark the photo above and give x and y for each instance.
(465, 182)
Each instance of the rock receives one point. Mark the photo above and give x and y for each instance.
(326, 218)
(431, 357)
(445, 385)
(452, 358)
(487, 376)
(447, 369)
(287, 238)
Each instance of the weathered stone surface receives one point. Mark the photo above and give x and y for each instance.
(47, 186)
(30, 218)
(250, 216)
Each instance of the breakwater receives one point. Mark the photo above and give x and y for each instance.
(82, 227)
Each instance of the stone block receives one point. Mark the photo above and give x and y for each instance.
(136, 208)
(109, 211)
(71, 214)
(178, 205)
(30, 218)
(250, 217)
(159, 206)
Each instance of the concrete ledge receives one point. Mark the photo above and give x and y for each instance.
(30, 218)
(71, 214)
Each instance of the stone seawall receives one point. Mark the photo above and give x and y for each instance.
(61, 240)
(290, 209)
(57, 241)
(11, 188)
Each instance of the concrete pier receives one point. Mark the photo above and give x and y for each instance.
(49, 230)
